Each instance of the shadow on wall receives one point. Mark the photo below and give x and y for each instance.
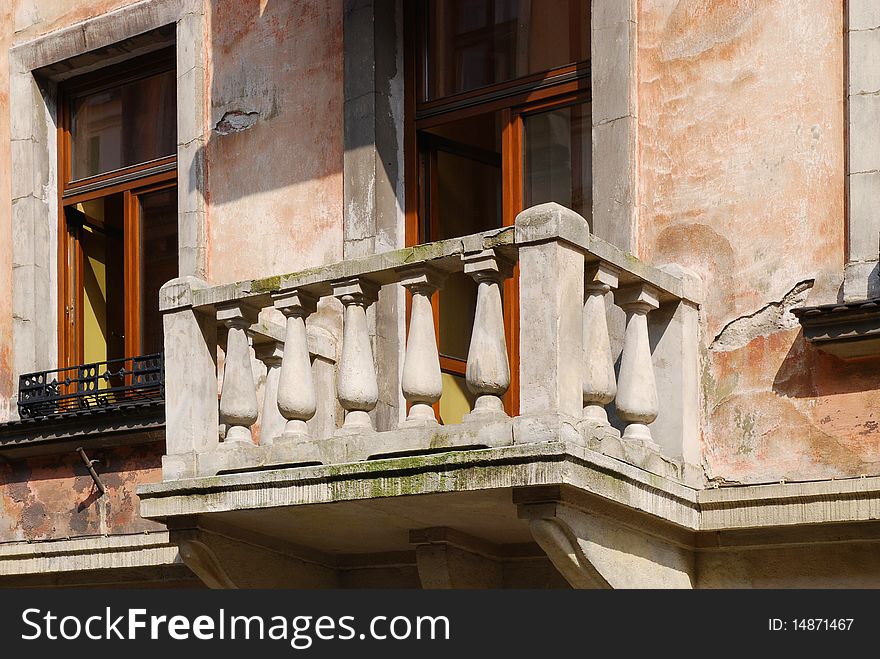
(807, 372)
(275, 113)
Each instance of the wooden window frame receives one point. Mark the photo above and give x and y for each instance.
(515, 99)
(131, 181)
(415, 23)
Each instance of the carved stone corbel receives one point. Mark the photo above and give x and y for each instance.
(201, 559)
(562, 548)
(592, 550)
(225, 556)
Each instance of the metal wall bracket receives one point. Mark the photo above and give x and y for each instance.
(90, 466)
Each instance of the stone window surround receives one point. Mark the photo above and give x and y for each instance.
(33, 78)
(862, 37)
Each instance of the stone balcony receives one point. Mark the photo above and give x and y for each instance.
(608, 375)
(319, 389)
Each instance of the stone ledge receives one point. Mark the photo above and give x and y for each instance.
(551, 463)
(345, 448)
(121, 24)
(545, 463)
(788, 504)
(430, 438)
(88, 553)
(426, 439)
(643, 457)
(100, 429)
(848, 331)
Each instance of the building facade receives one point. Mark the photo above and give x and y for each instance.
(440, 293)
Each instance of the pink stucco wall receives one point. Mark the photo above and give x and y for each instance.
(274, 187)
(741, 178)
(55, 497)
(741, 147)
(274, 204)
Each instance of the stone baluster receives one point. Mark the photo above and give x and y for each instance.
(599, 386)
(356, 387)
(295, 401)
(488, 370)
(271, 421)
(238, 400)
(637, 402)
(421, 382)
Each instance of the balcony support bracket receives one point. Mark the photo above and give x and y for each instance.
(592, 550)
(202, 560)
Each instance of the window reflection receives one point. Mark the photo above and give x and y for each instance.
(158, 244)
(477, 43)
(558, 158)
(124, 125)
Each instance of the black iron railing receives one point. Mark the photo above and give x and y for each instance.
(100, 386)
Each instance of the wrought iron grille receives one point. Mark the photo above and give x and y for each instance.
(100, 386)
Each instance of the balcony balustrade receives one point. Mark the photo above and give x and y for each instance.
(599, 332)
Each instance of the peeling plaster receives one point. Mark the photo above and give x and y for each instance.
(49, 497)
(235, 121)
(772, 317)
(282, 213)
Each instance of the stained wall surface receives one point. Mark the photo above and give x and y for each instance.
(273, 168)
(55, 497)
(741, 178)
(274, 153)
(740, 174)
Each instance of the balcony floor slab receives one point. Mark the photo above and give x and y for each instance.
(370, 506)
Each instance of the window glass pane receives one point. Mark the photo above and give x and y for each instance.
(476, 43)
(458, 304)
(558, 158)
(158, 226)
(122, 126)
(469, 195)
(100, 284)
(464, 197)
(464, 188)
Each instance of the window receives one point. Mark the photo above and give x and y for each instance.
(118, 201)
(498, 119)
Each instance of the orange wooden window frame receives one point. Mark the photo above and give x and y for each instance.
(515, 99)
(131, 182)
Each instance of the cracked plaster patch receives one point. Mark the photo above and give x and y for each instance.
(772, 317)
(236, 121)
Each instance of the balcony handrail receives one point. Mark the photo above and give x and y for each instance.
(385, 268)
(103, 385)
